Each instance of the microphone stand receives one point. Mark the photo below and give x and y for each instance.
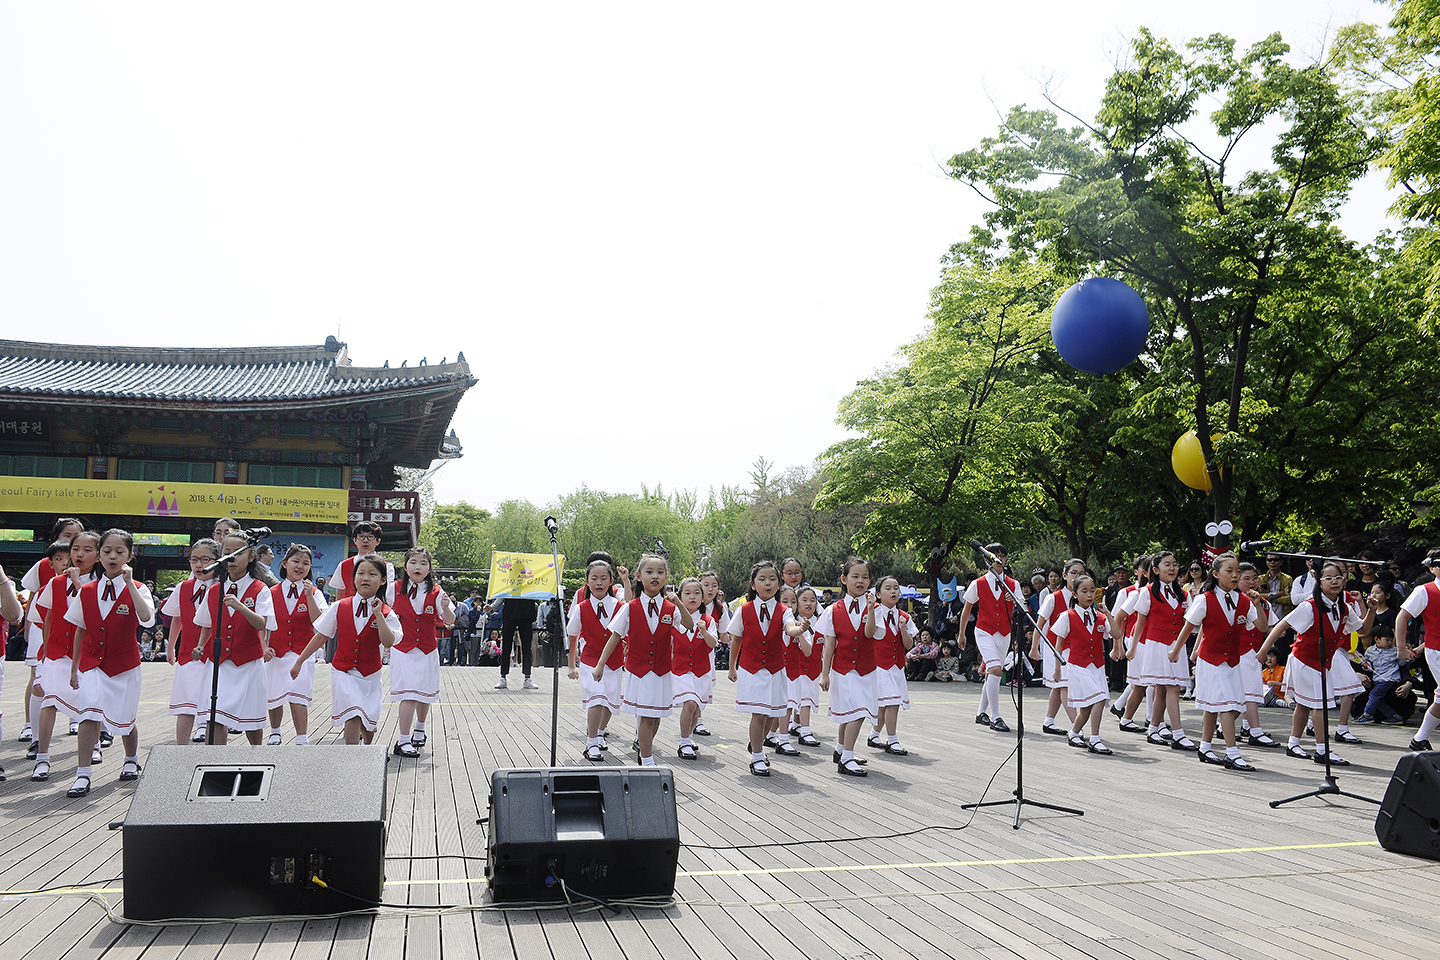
(553, 527)
(223, 567)
(1020, 801)
(1328, 787)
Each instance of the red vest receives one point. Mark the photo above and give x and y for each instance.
(356, 651)
(691, 653)
(854, 652)
(1164, 621)
(1306, 647)
(647, 652)
(890, 649)
(1130, 620)
(593, 637)
(62, 631)
(1057, 610)
(1430, 616)
(761, 649)
(111, 642)
(189, 629)
(1223, 642)
(293, 631)
(798, 665)
(994, 613)
(417, 626)
(239, 641)
(1085, 646)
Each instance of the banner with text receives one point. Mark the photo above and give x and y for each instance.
(136, 498)
(528, 576)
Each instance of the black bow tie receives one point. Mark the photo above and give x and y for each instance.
(233, 591)
(109, 593)
(654, 609)
(364, 607)
(1089, 619)
(600, 611)
(1229, 601)
(71, 590)
(294, 591)
(414, 590)
(764, 612)
(854, 606)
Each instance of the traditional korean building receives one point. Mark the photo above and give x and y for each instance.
(163, 441)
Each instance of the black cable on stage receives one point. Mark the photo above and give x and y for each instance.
(379, 903)
(878, 836)
(438, 856)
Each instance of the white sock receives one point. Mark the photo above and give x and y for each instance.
(1232, 752)
(419, 726)
(35, 703)
(991, 695)
(82, 772)
(134, 759)
(1257, 731)
(1153, 728)
(42, 758)
(805, 732)
(1428, 723)
(757, 757)
(1206, 746)
(1294, 741)
(301, 739)
(1321, 749)
(404, 738)
(644, 761)
(274, 731)
(892, 738)
(1049, 721)
(687, 741)
(846, 755)
(1342, 728)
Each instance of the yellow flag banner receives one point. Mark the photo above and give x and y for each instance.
(527, 576)
(137, 498)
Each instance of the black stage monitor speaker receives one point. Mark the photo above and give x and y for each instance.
(226, 832)
(608, 832)
(1409, 819)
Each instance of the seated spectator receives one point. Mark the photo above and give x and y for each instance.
(920, 661)
(1273, 673)
(1383, 661)
(947, 665)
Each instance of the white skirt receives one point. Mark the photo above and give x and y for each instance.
(852, 697)
(414, 675)
(1302, 685)
(803, 692)
(280, 689)
(1152, 666)
(760, 692)
(352, 695)
(993, 648)
(241, 701)
(54, 678)
(604, 692)
(693, 689)
(1252, 680)
(1047, 670)
(652, 695)
(112, 701)
(1086, 685)
(891, 690)
(1219, 688)
(1344, 681)
(190, 686)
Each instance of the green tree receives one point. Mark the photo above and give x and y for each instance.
(620, 525)
(1145, 192)
(938, 436)
(457, 535)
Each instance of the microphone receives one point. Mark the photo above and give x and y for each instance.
(1255, 546)
(980, 549)
(551, 525)
(257, 533)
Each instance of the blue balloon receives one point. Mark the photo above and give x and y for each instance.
(1099, 325)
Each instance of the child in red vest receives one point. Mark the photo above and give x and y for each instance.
(802, 667)
(1423, 602)
(1080, 638)
(192, 677)
(648, 625)
(1052, 609)
(690, 665)
(105, 667)
(994, 612)
(1224, 616)
(1159, 616)
(366, 537)
(297, 604)
(238, 613)
(34, 580)
(847, 666)
(1252, 674)
(757, 659)
(52, 676)
(588, 629)
(11, 611)
(415, 660)
(714, 607)
(360, 625)
(895, 635)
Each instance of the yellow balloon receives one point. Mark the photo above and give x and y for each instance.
(1187, 459)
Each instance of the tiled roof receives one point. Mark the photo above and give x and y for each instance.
(247, 375)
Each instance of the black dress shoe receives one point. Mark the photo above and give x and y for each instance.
(1297, 752)
(1419, 745)
(1210, 756)
(1346, 736)
(1057, 731)
(850, 768)
(999, 726)
(1240, 764)
(875, 742)
(1334, 760)
(836, 758)
(786, 749)
(983, 719)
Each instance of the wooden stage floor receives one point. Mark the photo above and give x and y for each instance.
(1172, 858)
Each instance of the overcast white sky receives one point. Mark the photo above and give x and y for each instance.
(606, 206)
